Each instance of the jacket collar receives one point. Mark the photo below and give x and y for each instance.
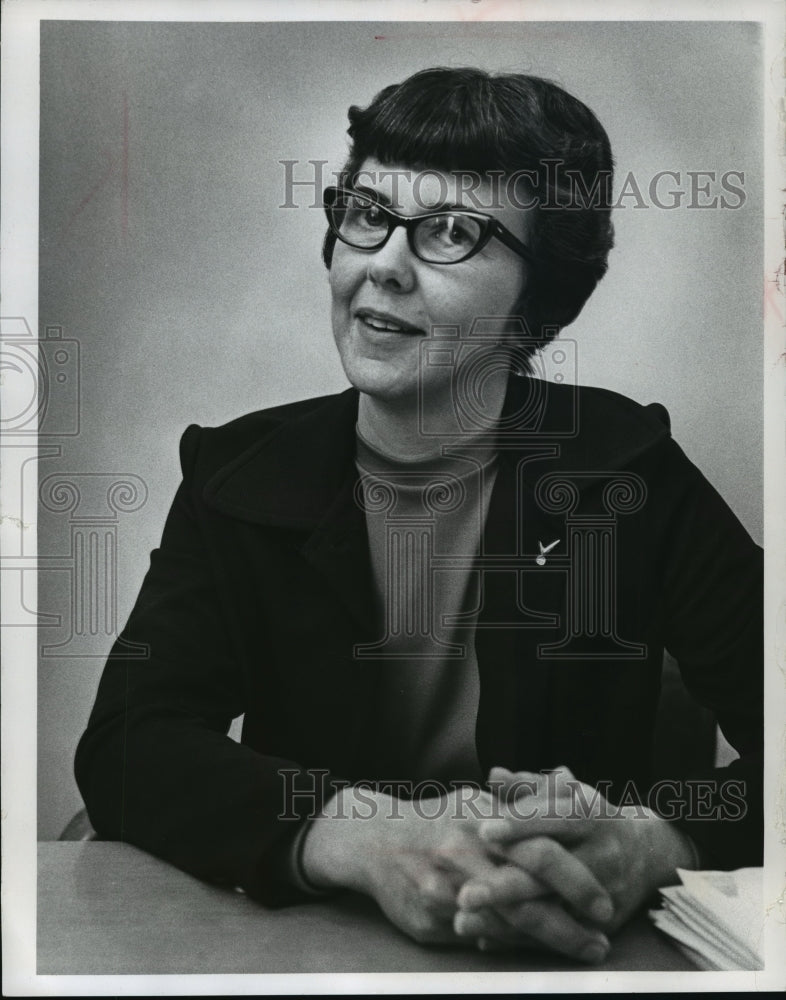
(302, 471)
(293, 475)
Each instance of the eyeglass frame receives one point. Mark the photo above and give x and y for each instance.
(490, 227)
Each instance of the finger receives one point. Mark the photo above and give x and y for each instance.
(529, 782)
(495, 945)
(509, 785)
(490, 931)
(553, 927)
(541, 924)
(560, 783)
(480, 923)
(563, 771)
(462, 855)
(560, 871)
(553, 795)
(435, 888)
(534, 822)
(500, 774)
(437, 893)
(503, 885)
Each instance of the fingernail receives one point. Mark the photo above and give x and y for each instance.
(594, 952)
(473, 897)
(483, 944)
(602, 910)
(464, 924)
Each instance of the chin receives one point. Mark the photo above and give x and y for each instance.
(375, 379)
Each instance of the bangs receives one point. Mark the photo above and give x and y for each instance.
(454, 121)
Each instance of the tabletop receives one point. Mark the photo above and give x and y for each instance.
(106, 907)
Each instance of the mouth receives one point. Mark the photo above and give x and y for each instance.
(383, 322)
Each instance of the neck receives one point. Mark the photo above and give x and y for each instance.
(410, 430)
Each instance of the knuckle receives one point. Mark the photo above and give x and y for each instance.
(454, 850)
(455, 838)
(609, 857)
(616, 856)
(431, 889)
(545, 853)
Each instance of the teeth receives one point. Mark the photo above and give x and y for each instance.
(382, 324)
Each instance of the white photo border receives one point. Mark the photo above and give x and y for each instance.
(19, 296)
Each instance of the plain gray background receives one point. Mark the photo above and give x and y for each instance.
(195, 298)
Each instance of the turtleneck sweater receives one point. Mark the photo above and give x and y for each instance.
(425, 520)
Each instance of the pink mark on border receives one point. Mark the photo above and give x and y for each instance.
(124, 171)
(772, 296)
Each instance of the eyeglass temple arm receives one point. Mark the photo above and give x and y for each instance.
(511, 241)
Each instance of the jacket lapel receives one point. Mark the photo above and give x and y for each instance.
(339, 550)
(302, 476)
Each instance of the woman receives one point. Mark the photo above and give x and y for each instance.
(448, 573)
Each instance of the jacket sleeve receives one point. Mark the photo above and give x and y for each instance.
(155, 765)
(713, 626)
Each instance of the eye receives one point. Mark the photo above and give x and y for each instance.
(448, 235)
(365, 213)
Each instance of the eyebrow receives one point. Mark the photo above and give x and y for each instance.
(383, 199)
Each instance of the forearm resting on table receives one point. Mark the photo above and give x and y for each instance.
(438, 880)
(333, 851)
(337, 849)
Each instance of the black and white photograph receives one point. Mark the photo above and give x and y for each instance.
(393, 471)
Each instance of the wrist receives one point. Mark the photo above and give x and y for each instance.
(339, 847)
(668, 848)
(297, 875)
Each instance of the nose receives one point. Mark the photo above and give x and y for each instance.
(391, 267)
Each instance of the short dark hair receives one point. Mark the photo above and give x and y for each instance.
(467, 119)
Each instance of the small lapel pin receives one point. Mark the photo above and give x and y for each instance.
(544, 550)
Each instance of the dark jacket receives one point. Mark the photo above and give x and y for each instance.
(261, 589)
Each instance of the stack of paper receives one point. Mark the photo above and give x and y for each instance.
(715, 917)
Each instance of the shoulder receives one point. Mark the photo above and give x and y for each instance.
(598, 407)
(594, 428)
(212, 448)
(618, 434)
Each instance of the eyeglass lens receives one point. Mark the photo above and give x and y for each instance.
(363, 223)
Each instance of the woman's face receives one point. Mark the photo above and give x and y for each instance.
(386, 301)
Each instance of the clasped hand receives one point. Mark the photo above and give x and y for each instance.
(517, 868)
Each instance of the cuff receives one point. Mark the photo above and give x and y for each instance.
(295, 865)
